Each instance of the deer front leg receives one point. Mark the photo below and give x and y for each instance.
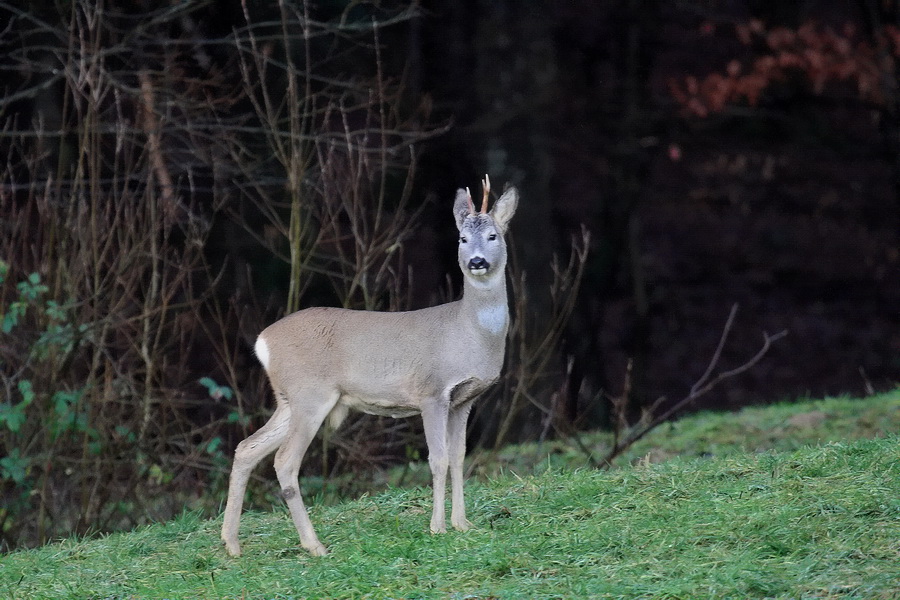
(456, 437)
(434, 418)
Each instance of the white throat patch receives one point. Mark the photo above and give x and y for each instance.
(493, 318)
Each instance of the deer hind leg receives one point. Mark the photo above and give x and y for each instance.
(308, 410)
(456, 441)
(247, 455)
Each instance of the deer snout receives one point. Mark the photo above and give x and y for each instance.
(478, 263)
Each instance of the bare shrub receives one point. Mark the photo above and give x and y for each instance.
(115, 234)
(108, 195)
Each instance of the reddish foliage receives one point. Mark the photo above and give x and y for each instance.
(820, 55)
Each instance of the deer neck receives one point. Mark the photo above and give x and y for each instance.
(487, 302)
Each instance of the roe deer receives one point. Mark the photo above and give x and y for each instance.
(321, 362)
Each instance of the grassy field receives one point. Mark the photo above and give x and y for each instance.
(718, 521)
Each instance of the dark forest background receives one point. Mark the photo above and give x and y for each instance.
(177, 175)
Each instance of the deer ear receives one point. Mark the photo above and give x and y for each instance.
(505, 208)
(461, 207)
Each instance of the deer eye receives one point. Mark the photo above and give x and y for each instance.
(463, 240)
(492, 237)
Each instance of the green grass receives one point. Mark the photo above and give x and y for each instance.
(783, 426)
(815, 521)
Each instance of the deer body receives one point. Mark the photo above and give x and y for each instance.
(323, 362)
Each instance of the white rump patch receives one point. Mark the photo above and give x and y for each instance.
(493, 318)
(262, 352)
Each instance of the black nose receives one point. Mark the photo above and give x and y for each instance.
(479, 263)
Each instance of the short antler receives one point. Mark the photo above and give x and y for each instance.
(486, 184)
(471, 204)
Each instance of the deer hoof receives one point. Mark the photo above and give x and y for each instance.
(232, 548)
(463, 525)
(318, 550)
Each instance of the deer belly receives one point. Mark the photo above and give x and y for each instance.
(383, 407)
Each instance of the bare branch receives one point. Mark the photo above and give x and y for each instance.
(154, 144)
(704, 384)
